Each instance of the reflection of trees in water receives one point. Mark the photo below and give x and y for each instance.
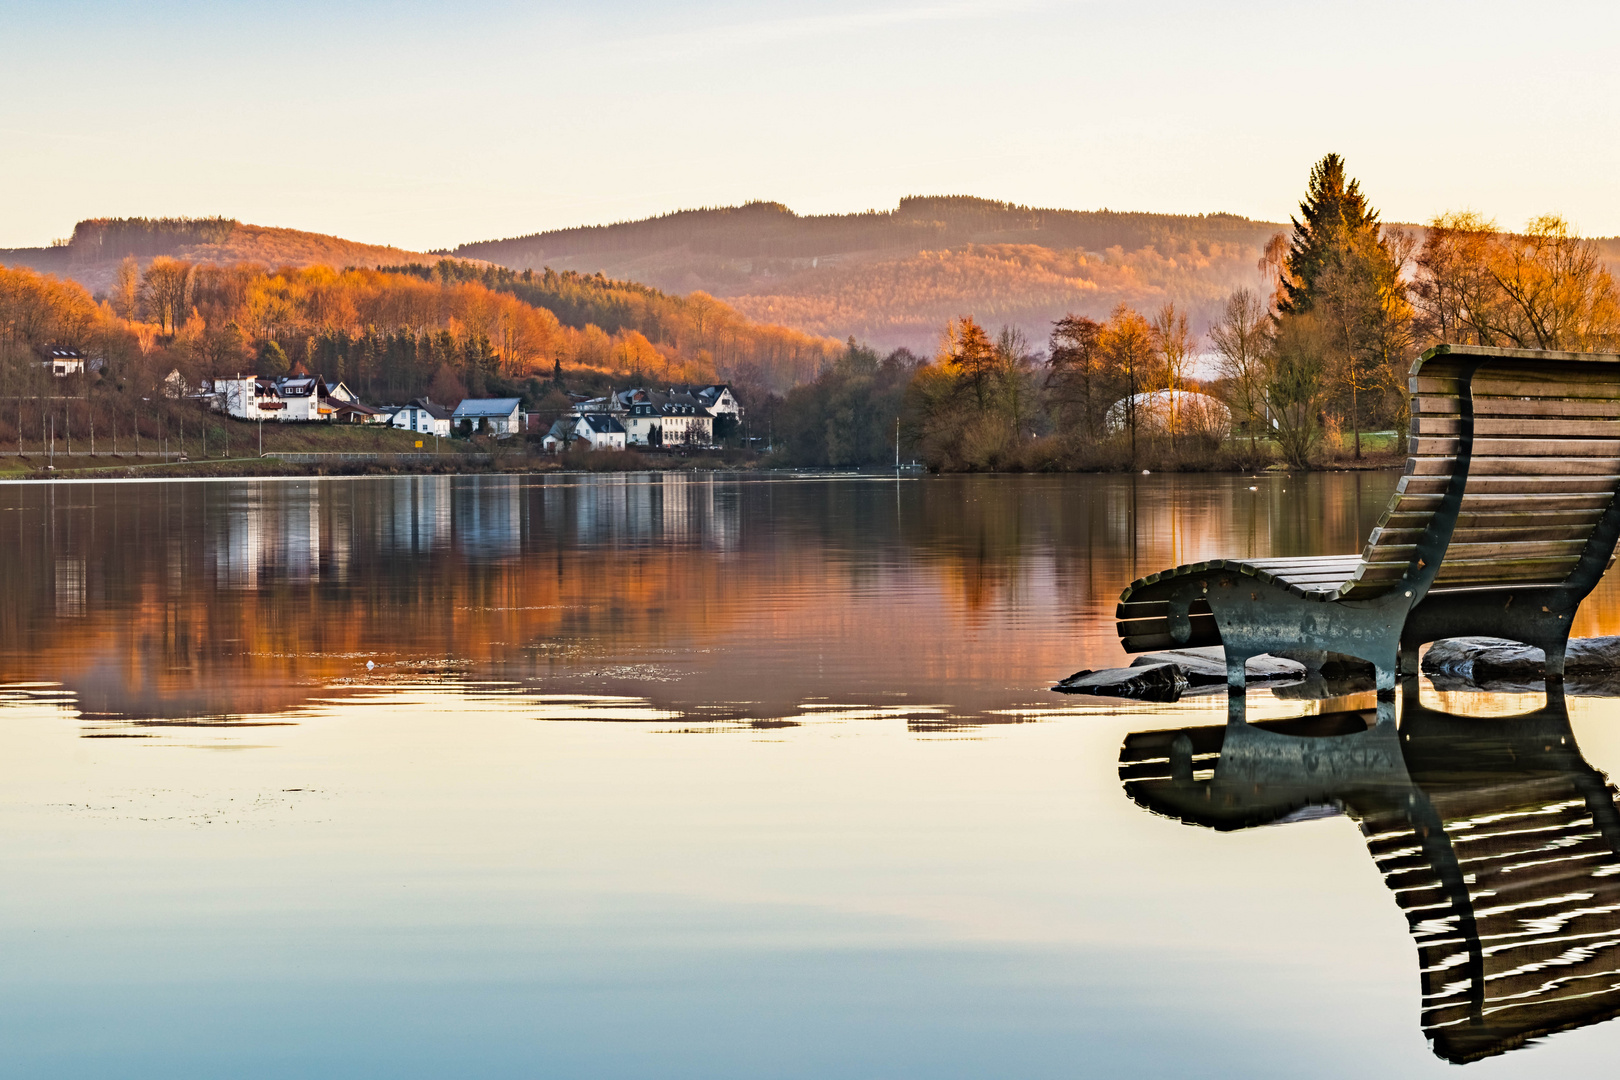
(203, 598)
(199, 599)
(1500, 843)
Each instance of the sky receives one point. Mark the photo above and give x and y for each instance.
(427, 125)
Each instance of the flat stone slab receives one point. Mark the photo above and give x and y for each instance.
(1148, 682)
(1490, 659)
(1207, 666)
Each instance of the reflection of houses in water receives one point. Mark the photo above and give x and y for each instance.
(268, 532)
(1500, 843)
(663, 507)
(487, 516)
(416, 520)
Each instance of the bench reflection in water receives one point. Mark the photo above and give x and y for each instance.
(1500, 843)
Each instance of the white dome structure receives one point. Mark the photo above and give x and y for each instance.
(1165, 411)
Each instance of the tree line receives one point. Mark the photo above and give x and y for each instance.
(1301, 368)
(391, 334)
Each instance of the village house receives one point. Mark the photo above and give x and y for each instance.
(424, 417)
(63, 360)
(294, 398)
(501, 417)
(655, 418)
(683, 420)
(719, 401)
(596, 430)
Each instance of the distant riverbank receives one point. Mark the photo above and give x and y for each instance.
(108, 466)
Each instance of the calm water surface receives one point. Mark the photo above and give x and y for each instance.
(680, 776)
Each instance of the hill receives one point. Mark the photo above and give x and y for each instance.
(91, 256)
(894, 277)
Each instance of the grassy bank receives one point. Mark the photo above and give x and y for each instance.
(460, 456)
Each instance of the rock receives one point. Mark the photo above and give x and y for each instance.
(1331, 665)
(1480, 660)
(1150, 682)
(1477, 659)
(1207, 666)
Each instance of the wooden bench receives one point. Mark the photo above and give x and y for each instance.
(1504, 522)
(1499, 841)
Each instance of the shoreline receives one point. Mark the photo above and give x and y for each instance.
(274, 467)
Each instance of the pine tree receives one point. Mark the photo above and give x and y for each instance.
(1333, 211)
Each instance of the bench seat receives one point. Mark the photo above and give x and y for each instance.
(1504, 521)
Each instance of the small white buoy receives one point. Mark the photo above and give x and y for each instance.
(369, 665)
(1146, 473)
(1253, 488)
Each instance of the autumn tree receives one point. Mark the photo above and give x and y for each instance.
(166, 291)
(1128, 343)
(1079, 391)
(125, 295)
(967, 352)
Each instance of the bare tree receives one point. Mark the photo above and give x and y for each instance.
(1241, 340)
(1174, 344)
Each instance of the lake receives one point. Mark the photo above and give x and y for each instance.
(683, 775)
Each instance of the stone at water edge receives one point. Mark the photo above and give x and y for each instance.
(1152, 682)
(1207, 666)
(1479, 659)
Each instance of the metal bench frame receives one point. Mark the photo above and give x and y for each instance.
(1269, 606)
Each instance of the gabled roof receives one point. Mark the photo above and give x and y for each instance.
(60, 352)
(603, 423)
(358, 407)
(432, 408)
(561, 429)
(499, 406)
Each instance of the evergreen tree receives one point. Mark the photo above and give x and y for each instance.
(1334, 212)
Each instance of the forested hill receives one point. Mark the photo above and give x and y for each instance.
(894, 277)
(770, 230)
(91, 256)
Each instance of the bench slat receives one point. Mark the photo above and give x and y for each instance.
(1516, 466)
(1551, 385)
(1568, 487)
(1391, 554)
(1508, 407)
(1506, 518)
(1530, 448)
(1476, 535)
(1503, 570)
(1503, 427)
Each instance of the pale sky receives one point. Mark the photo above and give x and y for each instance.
(426, 125)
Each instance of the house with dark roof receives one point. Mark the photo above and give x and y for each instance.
(595, 430)
(424, 416)
(719, 401)
(64, 360)
(500, 417)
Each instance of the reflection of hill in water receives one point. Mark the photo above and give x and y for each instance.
(1500, 843)
(742, 596)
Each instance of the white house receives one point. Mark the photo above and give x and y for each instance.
(684, 421)
(596, 430)
(425, 417)
(601, 431)
(62, 360)
(640, 421)
(719, 401)
(500, 417)
(298, 398)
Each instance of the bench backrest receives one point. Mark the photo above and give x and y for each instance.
(1538, 434)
